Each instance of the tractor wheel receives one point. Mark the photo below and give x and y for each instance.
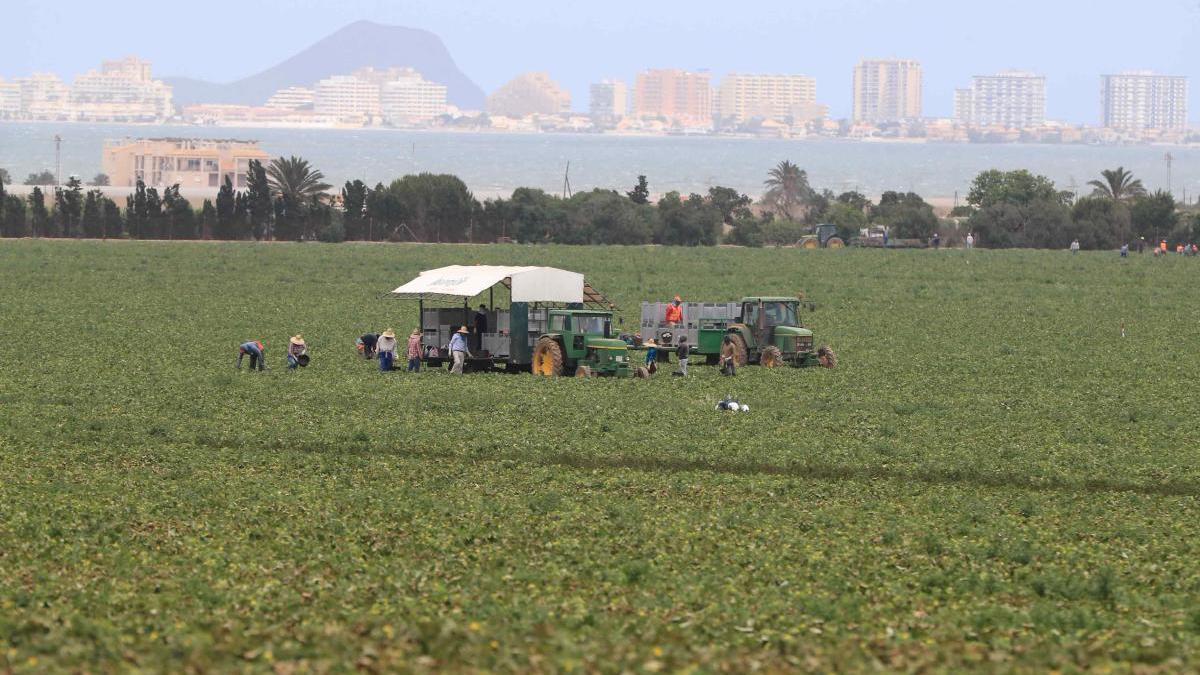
(583, 372)
(740, 355)
(835, 242)
(547, 358)
(771, 357)
(826, 357)
(810, 243)
(641, 373)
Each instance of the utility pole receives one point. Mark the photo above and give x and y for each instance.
(57, 159)
(567, 181)
(1169, 158)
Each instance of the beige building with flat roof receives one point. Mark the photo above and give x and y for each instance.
(188, 162)
(529, 94)
(609, 100)
(1012, 99)
(347, 96)
(411, 99)
(887, 90)
(292, 98)
(768, 97)
(678, 95)
(122, 90)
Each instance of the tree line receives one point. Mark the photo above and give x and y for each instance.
(288, 200)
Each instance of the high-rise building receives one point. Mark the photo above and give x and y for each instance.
(610, 100)
(887, 90)
(1011, 98)
(768, 97)
(529, 94)
(346, 96)
(44, 96)
(678, 95)
(120, 90)
(411, 99)
(292, 98)
(10, 99)
(1143, 101)
(187, 162)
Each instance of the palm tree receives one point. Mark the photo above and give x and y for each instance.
(787, 189)
(295, 180)
(1118, 185)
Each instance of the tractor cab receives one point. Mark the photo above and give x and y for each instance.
(581, 341)
(769, 331)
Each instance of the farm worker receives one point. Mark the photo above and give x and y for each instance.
(1179, 249)
(458, 350)
(255, 349)
(651, 355)
(480, 326)
(1162, 245)
(937, 240)
(682, 352)
(728, 363)
(296, 349)
(1074, 246)
(1124, 250)
(386, 349)
(414, 350)
(675, 312)
(970, 240)
(366, 344)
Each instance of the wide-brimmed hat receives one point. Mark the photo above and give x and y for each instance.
(297, 340)
(463, 330)
(650, 343)
(389, 333)
(678, 299)
(416, 331)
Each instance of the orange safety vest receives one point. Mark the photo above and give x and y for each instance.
(674, 313)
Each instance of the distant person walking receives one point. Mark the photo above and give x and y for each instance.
(385, 350)
(1124, 250)
(682, 352)
(937, 240)
(970, 241)
(297, 353)
(414, 351)
(254, 349)
(458, 350)
(1074, 246)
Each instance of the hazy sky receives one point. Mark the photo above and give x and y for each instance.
(1070, 41)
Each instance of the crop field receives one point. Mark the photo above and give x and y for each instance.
(994, 478)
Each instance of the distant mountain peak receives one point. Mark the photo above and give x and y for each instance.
(356, 45)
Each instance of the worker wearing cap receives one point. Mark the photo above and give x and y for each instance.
(458, 350)
(296, 349)
(385, 350)
(414, 351)
(651, 355)
(675, 312)
(255, 349)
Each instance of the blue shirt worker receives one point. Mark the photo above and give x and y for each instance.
(458, 350)
(651, 355)
(254, 349)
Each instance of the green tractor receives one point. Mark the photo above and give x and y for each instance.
(768, 332)
(580, 341)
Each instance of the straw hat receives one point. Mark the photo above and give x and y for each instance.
(389, 333)
(297, 340)
(650, 343)
(463, 330)
(416, 331)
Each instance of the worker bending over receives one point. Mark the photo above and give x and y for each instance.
(254, 349)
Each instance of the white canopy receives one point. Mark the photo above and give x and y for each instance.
(528, 284)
